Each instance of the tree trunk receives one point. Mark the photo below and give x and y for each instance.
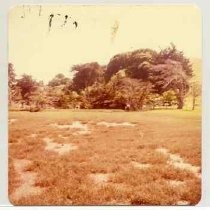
(180, 101)
(193, 104)
(141, 103)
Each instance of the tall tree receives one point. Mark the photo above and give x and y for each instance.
(14, 90)
(171, 70)
(195, 92)
(59, 79)
(11, 75)
(167, 70)
(98, 96)
(86, 75)
(170, 76)
(27, 86)
(130, 91)
(11, 82)
(134, 64)
(172, 53)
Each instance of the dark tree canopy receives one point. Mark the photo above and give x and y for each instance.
(138, 78)
(167, 70)
(131, 91)
(135, 64)
(86, 75)
(11, 75)
(11, 83)
(170, 76)
(167, 75)
(171, 53)
(58, 80)
(27, 86)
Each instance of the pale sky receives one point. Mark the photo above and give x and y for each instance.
(36, 51)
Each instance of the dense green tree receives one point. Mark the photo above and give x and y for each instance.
(98, 96)
(134, 64)
(138, 78)
(166, 70)
(130, 91)
(39, 98)
(58, 80)
(11, 82)
(27, 86)
(170, 76)
(172, 71)
(11, 75)
(171, 53)
(195, 92)
(169, 98)
(86, 75)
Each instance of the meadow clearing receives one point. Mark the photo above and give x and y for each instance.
(105, 157)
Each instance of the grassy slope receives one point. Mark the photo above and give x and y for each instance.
(66, 179)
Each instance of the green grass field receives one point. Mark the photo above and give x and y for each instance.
(154, 160)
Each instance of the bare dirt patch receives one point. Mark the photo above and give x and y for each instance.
(176, 161)
(176, 183)
(100, 178)
(183, 203)
(57, 147)
(114, 124)
(27, 180)
(77, 126)
(12, 121)
(66, 178)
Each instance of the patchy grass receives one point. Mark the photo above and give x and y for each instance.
(123, 158)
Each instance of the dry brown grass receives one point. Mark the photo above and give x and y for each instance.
(66, 179)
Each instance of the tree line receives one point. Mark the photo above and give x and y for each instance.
(141, 78)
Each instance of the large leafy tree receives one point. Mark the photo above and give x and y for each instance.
(11, 75)
(119, 91)
(38, 98)
(195, 92)
(172, 53)
(134, 63)
(167, 70)
(170, 76)
(27, 86)
(99, 95)
(86, 75)
(59, 79)
(171, 71)
(13, 89)
(60, 91)
(11, 82)
(130, 91)
(136, 77)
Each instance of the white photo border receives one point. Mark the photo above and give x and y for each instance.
(203, 5)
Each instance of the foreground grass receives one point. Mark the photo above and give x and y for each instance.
(107, 152)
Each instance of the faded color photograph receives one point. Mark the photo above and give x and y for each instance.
(104, 104)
